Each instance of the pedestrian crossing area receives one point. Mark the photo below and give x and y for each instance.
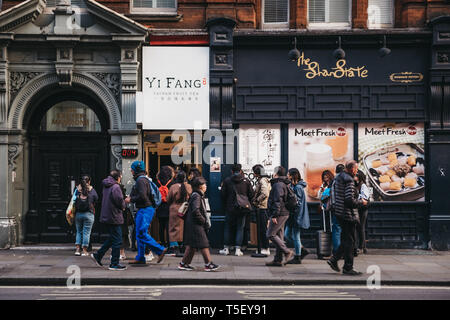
(297, 294)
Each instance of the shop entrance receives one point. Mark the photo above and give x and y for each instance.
(158, 148)
(67, 140)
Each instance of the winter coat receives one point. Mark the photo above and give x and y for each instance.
(176, 224)
(276, 204)
(113, 203)
(140, 191)
(347, 203)
(242, 185)
(196, 222)
(299, 218)
(92, 197)
(262, 192)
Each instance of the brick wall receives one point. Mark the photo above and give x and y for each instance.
(247, 13)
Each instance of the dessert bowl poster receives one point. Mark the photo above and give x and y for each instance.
(314, 148)
(392, 157)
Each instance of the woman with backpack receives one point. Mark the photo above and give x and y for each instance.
(164, 180)
(84, 214)
(196, 226)
(179, 193)
(299, 218)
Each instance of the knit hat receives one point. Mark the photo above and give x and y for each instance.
(138, 166)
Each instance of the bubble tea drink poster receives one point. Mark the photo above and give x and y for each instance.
(392, 157)
(314, 148)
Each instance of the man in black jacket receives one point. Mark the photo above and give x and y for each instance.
(346, 211)
(278, 214)
(235, 217)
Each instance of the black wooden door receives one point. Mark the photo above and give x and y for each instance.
(57, 159)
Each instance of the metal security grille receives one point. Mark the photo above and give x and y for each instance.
(380, 12)
(329, 11)
(276, 11)
(154, 3)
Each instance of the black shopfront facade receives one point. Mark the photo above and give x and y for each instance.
(361, 91)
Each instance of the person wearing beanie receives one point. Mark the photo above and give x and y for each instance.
(144, 199)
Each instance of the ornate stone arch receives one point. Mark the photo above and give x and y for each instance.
(21, 102)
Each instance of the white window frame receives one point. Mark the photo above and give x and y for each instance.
(381, 25)
(275, 25)
(156, 11)
(331, 25)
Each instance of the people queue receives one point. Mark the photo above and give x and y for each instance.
(277, 204)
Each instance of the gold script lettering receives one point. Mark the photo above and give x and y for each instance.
(339, 71)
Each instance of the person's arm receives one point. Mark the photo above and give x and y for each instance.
(196, 210)
(171, 195)
(117, 197)
(263, 192)
(276, 203)
(349, 196)
(250, 191)
(94, 195)
(223, 193)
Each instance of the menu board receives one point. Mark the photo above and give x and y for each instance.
(314, 148)
(392, 157)
(259, 144)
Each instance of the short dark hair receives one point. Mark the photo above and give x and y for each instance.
(198, 182)
(237, 167)
(195, 171)
(339, 168)
(329, 174)
(361, 177)
(295, 174)
(258, 169)
(116, 174)
(280, 171)
(350, 164)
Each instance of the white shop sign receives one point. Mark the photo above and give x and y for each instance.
(175, 88)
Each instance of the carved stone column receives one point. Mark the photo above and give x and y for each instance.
(4, 79)
(129, 71)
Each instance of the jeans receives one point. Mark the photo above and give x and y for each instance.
(275, 233)
(345, 250)
(261, 214)
(361, 229)
(114, 242)
(144, 217)
(293, 234)
(234, 225)
(84, 222)
(336, 231)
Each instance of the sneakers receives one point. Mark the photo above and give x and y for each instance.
(295, 260)
(117, 267)
(149, 257)
(333, 264)
(303, 253)
(351, 272)
(185, 267)
(274, 264)
(211, 267)
(137, 262)
(161, 256)
(266, 251)
(96, 260)
(288, 256)
(85, 254)
(238, 252)
(77, 253)
(225, 251)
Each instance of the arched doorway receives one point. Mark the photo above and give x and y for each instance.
(68, 138)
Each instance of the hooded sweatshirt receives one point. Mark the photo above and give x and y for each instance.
(112, 203)
(242, 186)
(300, 218)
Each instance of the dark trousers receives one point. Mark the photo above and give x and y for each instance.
(275, 233)
(234, 229)
(361, 229)
(261, 215)
(345, 250)
(164, 231)
(246, 236)
(114, 241)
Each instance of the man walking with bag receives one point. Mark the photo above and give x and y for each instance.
(112, 216)
(145, 195)
(236, 192)
(345, 208)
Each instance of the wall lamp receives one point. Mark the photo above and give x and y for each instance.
(294, 54)
(339, 53)
(384, 51)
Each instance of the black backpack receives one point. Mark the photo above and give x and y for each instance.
(331, 200)
(82, 205)
(291, 200)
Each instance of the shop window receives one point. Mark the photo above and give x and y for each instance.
(153, 6)
(329, 14)
(380, 14)
(70, 116)
(275, 14)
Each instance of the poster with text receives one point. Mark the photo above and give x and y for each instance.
(314, 148)
(259, 144)
(393, 159)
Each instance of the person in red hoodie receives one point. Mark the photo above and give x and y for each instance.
(111, 215)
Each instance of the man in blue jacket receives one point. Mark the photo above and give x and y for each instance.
(111, 215)
(141, 196)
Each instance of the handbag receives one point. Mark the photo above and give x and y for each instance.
(243, 205)
(183, 209)
(70, 211)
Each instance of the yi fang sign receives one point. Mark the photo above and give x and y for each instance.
(175, 88)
